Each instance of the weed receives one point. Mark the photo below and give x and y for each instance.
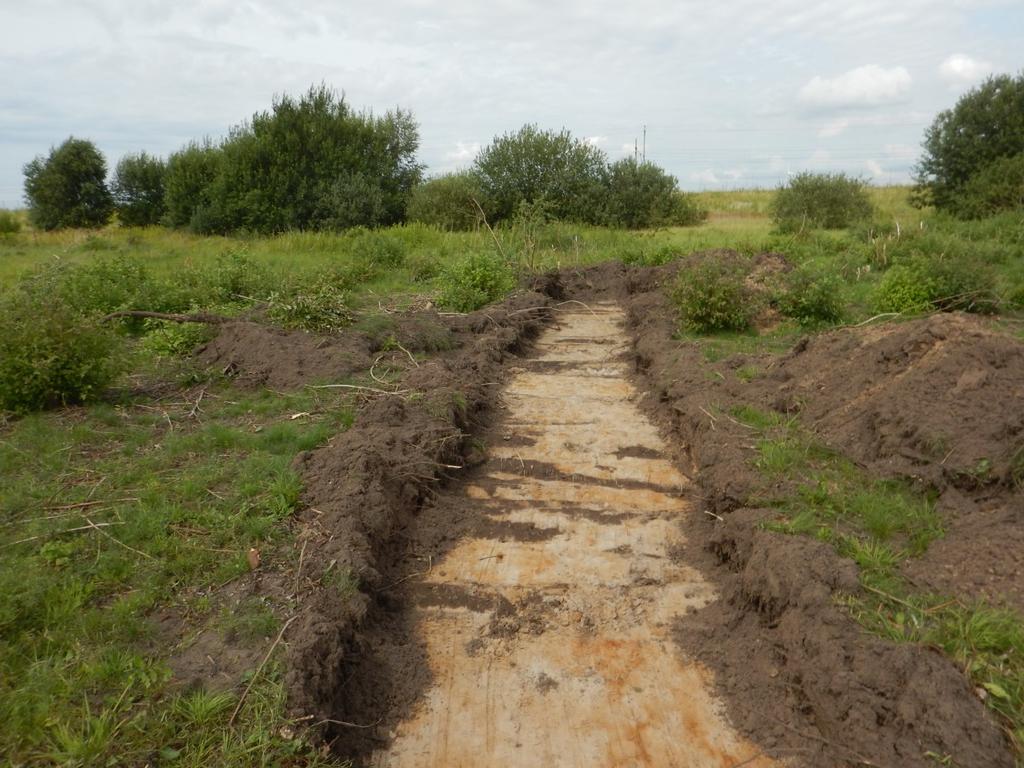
(475, 281)
(713, 296)
(811, 297)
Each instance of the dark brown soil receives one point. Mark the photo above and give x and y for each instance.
(799, 675)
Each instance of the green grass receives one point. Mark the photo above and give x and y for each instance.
(879, 524)
(178, 490)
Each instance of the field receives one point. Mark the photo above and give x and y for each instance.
(276, 536)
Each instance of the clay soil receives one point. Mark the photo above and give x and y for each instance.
(472, 562)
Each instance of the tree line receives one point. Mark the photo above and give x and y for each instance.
(314, 163)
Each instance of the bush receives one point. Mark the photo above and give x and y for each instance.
(377, 250)
(323, 308)
(642, 195)
(10, 224)
(711, 294)
(996, 188)
(820, 200)
(68, 188)
(474, 281)
(138, 189)
(986, 125)
(923, 282)
(811, 297)
(175, 339)
(446, 202)
(190, 171)
(50, 355)
(531, 165)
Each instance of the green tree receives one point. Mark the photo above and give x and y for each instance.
(447, 201)
(986, 124)
(533, 164)
(68, 188)
(997, 187)
(190, 172)
(644, 195)
(138, 189)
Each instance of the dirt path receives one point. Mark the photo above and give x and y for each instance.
(547, 630)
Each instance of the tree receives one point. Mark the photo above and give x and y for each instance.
(825, 200)
(997, 187)
(986, 124)
(532, 165)
(448, 201)
(308, 163)
(68, 188)
(138, 189)
(644, 195)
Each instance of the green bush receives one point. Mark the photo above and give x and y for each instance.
(138, 189)
(474, 281)
(996, 188)
(68, 188)
(446, 202)
(924, 282)
(711, 294)
(190, 171)
(820, 201)
(50, 355)
(10, 224)
(322, 308)
(169, 339)
(378, 249)
(642, 195)
(811, 297)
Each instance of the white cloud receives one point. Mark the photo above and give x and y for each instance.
(596, 141)
(867, 86)
(464, 152)
(707, 176)
(960, 69)
(874, 168)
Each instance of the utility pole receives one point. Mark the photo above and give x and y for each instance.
(645, 145)
(636, 157)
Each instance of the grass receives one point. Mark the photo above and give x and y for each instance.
(879, 524)
(178, 491)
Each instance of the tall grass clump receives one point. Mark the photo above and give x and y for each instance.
(811, 297)
(820, 201)
(929, 282)
(711, 294)
(10, 224)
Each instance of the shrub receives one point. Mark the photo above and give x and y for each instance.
(190, 171)
(446, 202)
(811, 297)
(138, 189)
(985, 125)
(10, 224)
(323, 308)
(50, 355)
(174, 339)
(996, 188)
(643, 195)
(711, 294)
(533, 164)
(820, 200)
(377, 249)
(68, 188)
(474, 281)
(924, 282)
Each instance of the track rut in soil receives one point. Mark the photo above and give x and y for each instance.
(531, 615)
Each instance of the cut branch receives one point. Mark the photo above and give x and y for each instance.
(197, 317)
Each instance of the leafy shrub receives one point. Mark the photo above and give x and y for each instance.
(323, 308)
(474, 281)
(985, 125)
(234, 277)
(68, 188)
(10, 224)
(811, 297)
(175, 339)
(50, 355)
(997, 187)
(446, 202)
(377, 249)
(925, 282)
(138, 189)
(711, 294)
(820, 200)
(189, 173)
(533, 164)
(643, 195)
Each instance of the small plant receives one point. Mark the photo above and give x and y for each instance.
(820, 201)
(923, 283)
(50, 355)
(713, 295)
(174, 339)
(475, 281)
(811, 298)
(323, 308)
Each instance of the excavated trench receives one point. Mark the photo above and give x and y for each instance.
(531, 625)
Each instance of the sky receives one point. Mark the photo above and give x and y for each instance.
(733, 93)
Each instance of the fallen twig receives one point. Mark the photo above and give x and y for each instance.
(117, 541)
(197, 317)
(256, 674)
(411, 358)
(398, 392)
(92, 526)
(430, 565)
(81, 504)
(328, 721)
